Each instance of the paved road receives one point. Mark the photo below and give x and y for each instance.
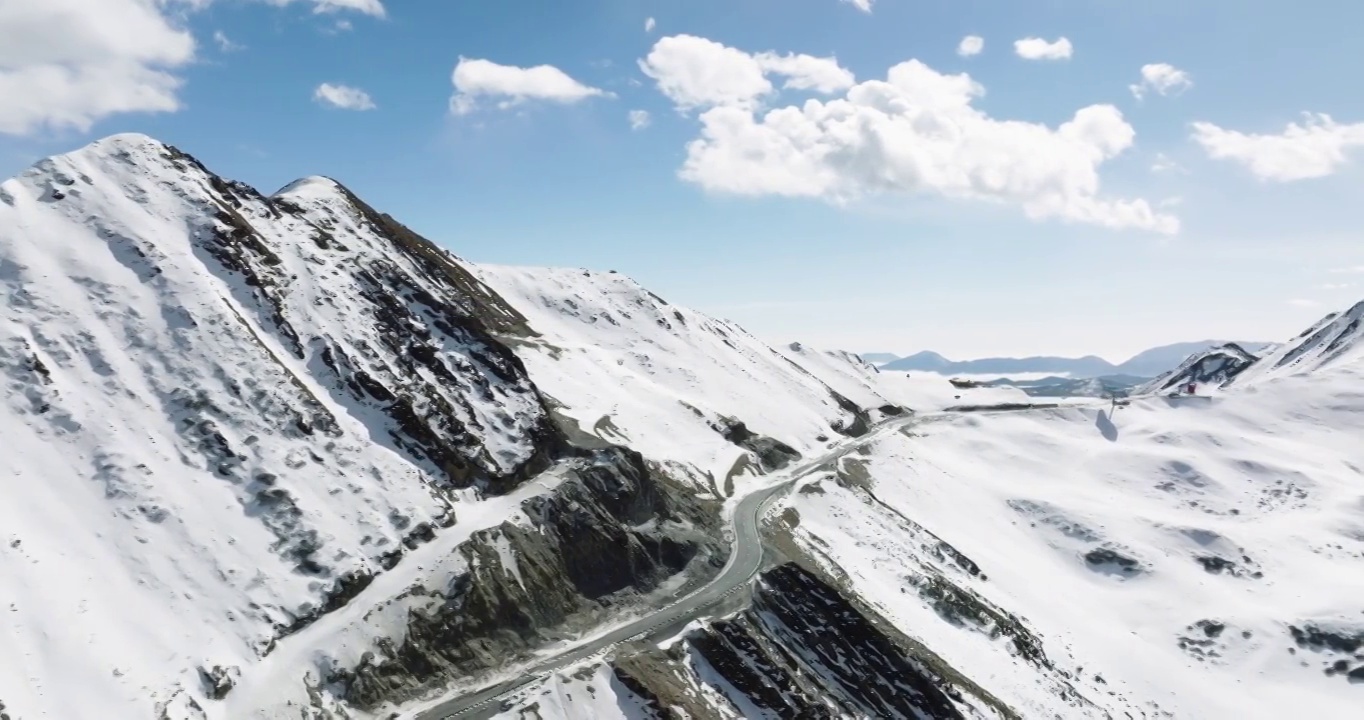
(745, 560)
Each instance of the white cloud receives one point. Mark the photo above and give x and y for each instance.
(1316, 148)
(696, 72)
(1303, 303)
(863, 5)
(66, 64)
(1162, 78)
(649, 25)
(511, 85)
(807, 72)
(970, 46)
(343, 97)
(1337, 286)
(1358, 269)
(639, 119)
(1038, 49)
(367, 7)
(225, 43)
(914, 133)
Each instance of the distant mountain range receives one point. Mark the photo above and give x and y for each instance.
(1146, 364)
(879, 358)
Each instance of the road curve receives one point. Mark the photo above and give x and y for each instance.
(745, 560)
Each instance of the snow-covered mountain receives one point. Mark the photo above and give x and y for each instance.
(1214, 367)
(1157, 360)
(1335, 340)
(259, 441)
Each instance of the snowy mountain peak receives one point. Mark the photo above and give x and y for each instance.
(1215, 366)
(1333, 341)
(123, 143)
(316, 187)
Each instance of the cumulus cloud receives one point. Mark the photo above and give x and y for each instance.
(1034, 48)
(65, 64)
(916, 132)
(649, 25)
(863, 5)
(695, 72)
(68, 63)
(807, 72)
(1316, 148)
(1162, 79)
(510, 85)
(970, 46)
(639, 119)
(343, 97)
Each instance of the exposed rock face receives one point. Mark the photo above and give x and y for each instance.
(800, 651)
(772, 454)
(608, 535)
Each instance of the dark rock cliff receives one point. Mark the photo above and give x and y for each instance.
(611, 533)
(801, 650)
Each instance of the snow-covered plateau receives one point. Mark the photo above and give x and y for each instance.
(280, 457)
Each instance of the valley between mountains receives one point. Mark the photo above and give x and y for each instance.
(278, 456)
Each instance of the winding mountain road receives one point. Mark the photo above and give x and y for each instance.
(745, 561)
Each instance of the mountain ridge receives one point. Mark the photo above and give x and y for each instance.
(1148, 363)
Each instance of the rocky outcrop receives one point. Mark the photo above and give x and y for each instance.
(771, 454)
(609, 535)
(801, 650)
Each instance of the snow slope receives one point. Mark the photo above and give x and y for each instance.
(1337, 339)
(1244, 513)
(628, 367)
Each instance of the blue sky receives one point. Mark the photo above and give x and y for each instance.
(882, 245)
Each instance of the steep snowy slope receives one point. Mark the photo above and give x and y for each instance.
(271, 455)
(628, 367)
(1336, 339)
(1214, 368)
